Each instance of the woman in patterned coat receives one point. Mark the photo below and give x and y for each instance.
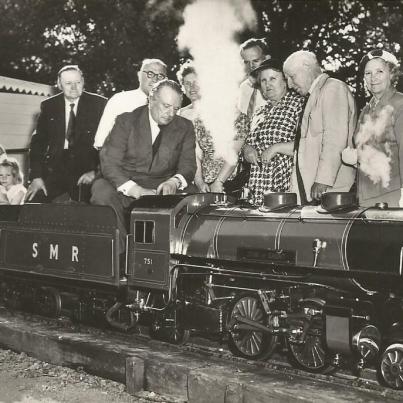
(269, 146)
(212, 171)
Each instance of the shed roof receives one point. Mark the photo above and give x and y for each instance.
(25, 87)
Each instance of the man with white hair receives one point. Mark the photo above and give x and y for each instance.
(151, 71)
(326, 128)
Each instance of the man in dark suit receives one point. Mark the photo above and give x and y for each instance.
(62, 157)
(149, 151)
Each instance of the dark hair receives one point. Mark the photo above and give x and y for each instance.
(254, 42)
(268, 64)
(166, 83)
(15, 169)
(186, 68)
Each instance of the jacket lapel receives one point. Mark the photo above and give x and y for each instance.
(83, 113)
(312, 100)
(59, 116)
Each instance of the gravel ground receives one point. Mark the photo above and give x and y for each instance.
(26, 380)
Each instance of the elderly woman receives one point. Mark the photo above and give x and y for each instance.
(270, 144)
(212, 172)
(379, 135)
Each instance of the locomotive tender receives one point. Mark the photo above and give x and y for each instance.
(323, 281)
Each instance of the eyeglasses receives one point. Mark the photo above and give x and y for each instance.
(151, 74)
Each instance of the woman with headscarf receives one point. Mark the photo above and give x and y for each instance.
(269, 146)
(379, 135)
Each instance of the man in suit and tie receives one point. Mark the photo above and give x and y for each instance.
(326, 129)
(150, 150)
(62, 157)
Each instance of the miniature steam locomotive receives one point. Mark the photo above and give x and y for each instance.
(323, 281)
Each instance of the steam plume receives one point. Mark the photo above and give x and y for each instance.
(373, 158)
(208, 32)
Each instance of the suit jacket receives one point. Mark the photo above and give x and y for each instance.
(47, 143)
(127, 152)
(327, 129)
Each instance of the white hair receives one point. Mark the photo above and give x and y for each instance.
(303, 58)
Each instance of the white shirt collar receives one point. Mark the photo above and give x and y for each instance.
(67, 104)
(153, 126)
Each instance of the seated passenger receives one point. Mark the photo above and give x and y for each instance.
(212, 172)
(269, 147)
(12, 191)
(62, 158)
(150, 151)
(379, 134)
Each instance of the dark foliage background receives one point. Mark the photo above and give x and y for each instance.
(109, 38)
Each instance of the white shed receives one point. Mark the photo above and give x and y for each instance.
(19, 107)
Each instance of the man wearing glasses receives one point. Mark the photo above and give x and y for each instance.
(151, 71)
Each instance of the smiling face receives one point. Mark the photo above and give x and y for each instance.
(191, 86)
(6, 177)
(164, 105)
(272, 84)
(378, 77)
(71, 82)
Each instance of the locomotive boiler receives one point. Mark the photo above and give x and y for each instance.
(325, 282)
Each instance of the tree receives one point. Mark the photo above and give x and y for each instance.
(340, 32)
(107, 38)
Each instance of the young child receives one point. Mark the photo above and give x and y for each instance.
(12, 191)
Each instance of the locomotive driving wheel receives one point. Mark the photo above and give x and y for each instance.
(306, 348)
(246, 340)
(48, 302)
(391, 366)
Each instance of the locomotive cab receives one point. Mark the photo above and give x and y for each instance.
(155, 224)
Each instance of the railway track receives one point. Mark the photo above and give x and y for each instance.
(211, 351)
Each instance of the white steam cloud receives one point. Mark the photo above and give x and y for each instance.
(374, 162)
(209, 33)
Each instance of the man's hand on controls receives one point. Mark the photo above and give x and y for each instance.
(169, 187)
(136, 191)
(36, 185)
(86, 178)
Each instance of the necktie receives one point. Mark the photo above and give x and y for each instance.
(71, 126)
(297, 140)
(252, 103)
(157, 141)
